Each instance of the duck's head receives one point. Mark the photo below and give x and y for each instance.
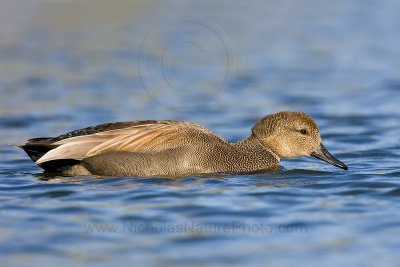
(293, 134)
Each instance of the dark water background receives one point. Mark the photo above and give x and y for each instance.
(224, 64)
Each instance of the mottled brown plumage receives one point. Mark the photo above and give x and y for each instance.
(178, 148)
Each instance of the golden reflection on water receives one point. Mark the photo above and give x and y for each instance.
(182, 182)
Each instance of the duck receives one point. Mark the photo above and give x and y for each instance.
(171, 148)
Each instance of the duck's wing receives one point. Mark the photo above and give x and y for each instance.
(136, 136)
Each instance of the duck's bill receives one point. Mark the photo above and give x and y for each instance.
(323, 154)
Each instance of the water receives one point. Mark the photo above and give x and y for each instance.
(67, 65)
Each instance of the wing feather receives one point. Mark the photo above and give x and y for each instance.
(147, 138)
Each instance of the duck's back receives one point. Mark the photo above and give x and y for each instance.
(128, 148)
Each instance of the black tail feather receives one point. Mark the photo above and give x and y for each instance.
(60, 165)
(37, 147)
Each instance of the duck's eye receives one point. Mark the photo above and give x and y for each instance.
(304, 131)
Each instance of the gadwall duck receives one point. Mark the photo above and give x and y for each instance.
(178, 148)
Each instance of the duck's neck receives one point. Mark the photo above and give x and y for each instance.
(249, 142)
(253, 145)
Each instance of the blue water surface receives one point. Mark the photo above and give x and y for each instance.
(65, 65)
